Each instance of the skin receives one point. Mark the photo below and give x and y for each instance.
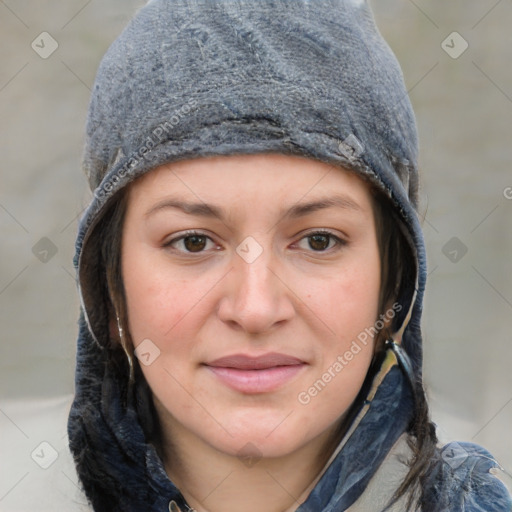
(225, 449)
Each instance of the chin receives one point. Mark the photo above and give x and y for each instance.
(271, 436)
(254, 448)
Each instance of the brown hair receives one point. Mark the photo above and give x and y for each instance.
(397, 273)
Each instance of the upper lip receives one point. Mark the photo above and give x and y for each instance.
(246, 362)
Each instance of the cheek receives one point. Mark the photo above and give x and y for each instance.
(348, 306)
(159, 308)
(157, 299)
(348, 302)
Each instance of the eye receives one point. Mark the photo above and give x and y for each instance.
(196, 242)
(320, 241)
(191, 242)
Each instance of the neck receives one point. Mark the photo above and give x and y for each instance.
(213, 481)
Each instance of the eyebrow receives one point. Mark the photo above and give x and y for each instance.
(300, 209)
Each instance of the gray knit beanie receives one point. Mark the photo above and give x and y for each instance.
(193, 78)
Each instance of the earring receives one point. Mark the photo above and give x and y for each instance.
(120, 329)
(123, 344)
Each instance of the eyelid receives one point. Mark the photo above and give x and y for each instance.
(323, 231)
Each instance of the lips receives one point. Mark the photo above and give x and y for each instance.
(244, 362)
(252, 375)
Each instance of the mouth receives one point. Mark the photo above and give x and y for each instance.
(254, 375)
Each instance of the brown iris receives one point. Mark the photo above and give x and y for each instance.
(319, 242)
(195, 243)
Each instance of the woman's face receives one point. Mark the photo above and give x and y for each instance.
(251, 284)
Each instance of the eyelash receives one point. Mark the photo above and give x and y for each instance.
(338, 242)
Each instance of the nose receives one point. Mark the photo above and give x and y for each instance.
(256, 298)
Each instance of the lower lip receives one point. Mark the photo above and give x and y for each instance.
(256, 381)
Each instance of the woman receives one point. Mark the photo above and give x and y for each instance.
(251, 271)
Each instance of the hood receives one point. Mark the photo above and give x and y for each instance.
(194, 78)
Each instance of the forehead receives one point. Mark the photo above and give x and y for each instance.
(264, 179)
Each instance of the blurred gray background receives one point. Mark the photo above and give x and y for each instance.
(457, 61)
